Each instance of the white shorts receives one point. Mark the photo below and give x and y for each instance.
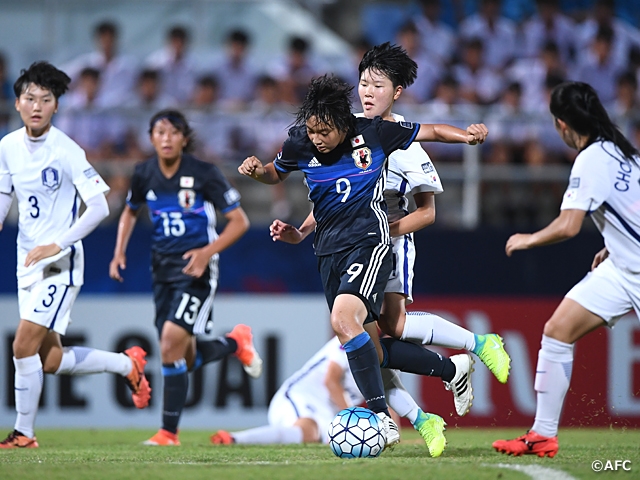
(608, 292)
(48, 303)
(286, 407)
(404, 257)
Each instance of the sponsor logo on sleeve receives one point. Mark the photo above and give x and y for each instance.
(186, 182)
(427, 167)
(90, 172)
(231, 196)
(574, 182)
(406, 124)
(571, 194)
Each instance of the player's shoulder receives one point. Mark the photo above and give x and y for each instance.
(59, 139)
(602, 151)
(297, 143)
(199, 168)
(11, 139)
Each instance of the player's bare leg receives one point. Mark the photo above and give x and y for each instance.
(568, 324)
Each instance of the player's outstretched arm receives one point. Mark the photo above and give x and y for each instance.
(423, 216)
(290, 234)
(333, 381)
(252, 167)
(474, 134)
(567, 225)
(97, 210)
(237, 225)
(126, 223)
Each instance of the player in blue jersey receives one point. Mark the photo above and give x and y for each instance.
(344, 161)
(182, 194)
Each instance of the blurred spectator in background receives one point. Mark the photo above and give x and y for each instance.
(625, 36)
(7, 97)
(436, 37)
(117, 71)
(295, 70)
(235, 73)
(549, 25)
(626, 105)
(498, 34)
(531, 74)
(598, 66)
(478, 82)
(176, 65)
(430, 68)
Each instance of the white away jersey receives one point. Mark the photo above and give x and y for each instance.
(606, 185)
(47, 184)
(309, 380)
(409, 170)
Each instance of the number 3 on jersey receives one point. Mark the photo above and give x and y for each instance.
(173, 224)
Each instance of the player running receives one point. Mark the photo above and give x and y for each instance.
(182, 194)
(47, 171)
(604, 183)
(344, 161)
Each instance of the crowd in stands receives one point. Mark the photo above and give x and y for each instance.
(488, 69)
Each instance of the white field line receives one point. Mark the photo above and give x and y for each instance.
(535, 471)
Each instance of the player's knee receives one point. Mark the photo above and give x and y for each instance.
(554, 328)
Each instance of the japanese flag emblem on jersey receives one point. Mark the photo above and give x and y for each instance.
(50, 178)
(362, 158)
(186, 182)
(186, 198)
(357, 141)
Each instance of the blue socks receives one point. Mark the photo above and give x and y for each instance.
(411, 358)
(363, 361)
(176, 384)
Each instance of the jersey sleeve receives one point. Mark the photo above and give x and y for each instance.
(136, 196)
(416, 167)
(395, 135)
(589, 184)
(287, 159)
(6, 186)
(219, 192)
(87, 181)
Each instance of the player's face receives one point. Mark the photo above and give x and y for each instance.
(377, 94)
(324, 137)
(167, 140)
(36, 106)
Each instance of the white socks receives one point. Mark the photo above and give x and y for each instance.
(397, 396)
(269, 434)
(28, 385)
(430, 329)
(553, 374)
(85, 361)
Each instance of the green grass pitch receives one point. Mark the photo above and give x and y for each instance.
(117, 454)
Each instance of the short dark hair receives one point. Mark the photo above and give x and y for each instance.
(179, 32)
(238, 36)
(298, 44)
(106, 27)
(148, 74)
(329, 100)
(44, 75)
(90, 72)
(209, 81)
(178, 120)
(392, 61)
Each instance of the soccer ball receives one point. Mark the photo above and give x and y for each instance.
(356, 432)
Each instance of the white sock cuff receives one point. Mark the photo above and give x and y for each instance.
(555, 350)
(67, 362)
(27, 365)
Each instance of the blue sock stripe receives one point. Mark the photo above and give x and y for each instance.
(171, 369)
(356, 342)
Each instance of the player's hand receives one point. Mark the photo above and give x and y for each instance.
(519, 241)
(119, 262)
(251, 167)
(285, 232)
(476, 133)
(198, 262)
(40, 252)
(600, 257)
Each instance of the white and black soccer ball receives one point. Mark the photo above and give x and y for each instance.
(356, 432)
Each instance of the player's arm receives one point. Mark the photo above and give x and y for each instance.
(600, 257)
(252, 167)
(333, 381)
(287, 233)
(237, 225)
(423, 216)
(126, 223)
(474, 134)
(96, 211)
(565, 226)
(5, 205)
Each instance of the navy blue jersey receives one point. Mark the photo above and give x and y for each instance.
(182, 207)
(346, 185)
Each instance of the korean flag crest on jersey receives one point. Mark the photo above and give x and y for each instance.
(187, 198)
(50, 178)
(362, 158)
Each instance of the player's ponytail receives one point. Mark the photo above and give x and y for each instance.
(577, 104)
(179, 121)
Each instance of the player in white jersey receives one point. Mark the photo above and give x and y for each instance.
(604, 184)
(47, 171)
(306, 403)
